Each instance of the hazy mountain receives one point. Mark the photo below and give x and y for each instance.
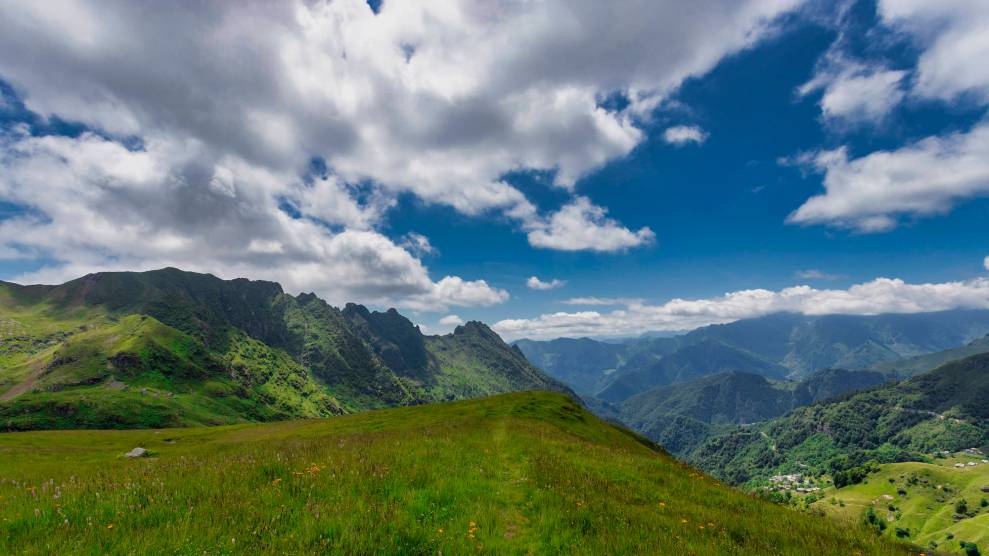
(167, 348)
(582, 363)
(798, 344)
(911, 366)
(706, 357)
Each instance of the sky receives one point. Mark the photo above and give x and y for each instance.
(553, 168)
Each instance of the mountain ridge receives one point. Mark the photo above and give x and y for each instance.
(260, 354)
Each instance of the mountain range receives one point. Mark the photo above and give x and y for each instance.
(783, 345)
(175, 348)
(791, 393)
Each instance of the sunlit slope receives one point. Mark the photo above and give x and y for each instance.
(920, 502)
(168, 348)
(513, 474)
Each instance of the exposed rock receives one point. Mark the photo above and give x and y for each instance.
(136, 453)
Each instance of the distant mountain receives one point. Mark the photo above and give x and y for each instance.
(944, 409)
(681, 416)
(706, 357)
(911, 366)
(170, 348)
(799, 344)
(582, 363)
(830, 383)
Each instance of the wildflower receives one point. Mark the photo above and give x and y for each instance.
(276, 481)
(109, 526)
(440, 530)
(683, 521)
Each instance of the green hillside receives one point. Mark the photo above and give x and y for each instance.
(681, 416)
(170, 348)
(945, 409)
(529, 473)
(919, 502)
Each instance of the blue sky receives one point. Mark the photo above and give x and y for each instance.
(450, 222)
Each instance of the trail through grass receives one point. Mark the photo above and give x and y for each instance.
(528, 473)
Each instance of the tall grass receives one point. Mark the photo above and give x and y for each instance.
(514, 474)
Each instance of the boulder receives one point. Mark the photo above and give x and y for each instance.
(136, 453)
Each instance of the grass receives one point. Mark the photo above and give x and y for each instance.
(920, 498)
(528, 473)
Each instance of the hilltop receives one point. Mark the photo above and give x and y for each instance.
(171, 348)
(527, 473)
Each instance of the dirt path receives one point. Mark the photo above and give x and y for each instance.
(37, 369)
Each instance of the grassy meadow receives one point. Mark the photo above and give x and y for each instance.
(527, 473)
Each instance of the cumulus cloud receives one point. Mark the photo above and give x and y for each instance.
(882, 295)
(232, 102)
(955, 42)
(874, 192)
(534, 283)
(451, 320)
(870, 193)
(683, 134)
(584, 226)
(95, 205)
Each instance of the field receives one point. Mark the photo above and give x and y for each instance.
(919, 501)
(528, 473)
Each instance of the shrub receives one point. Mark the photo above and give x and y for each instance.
(874, 521)
(970, 548)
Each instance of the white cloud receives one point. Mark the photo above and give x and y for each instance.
(98, 206)
(438, 99)
(451, 320)
(874, 192)
(985, 263)
(814, 274)
(417, 244)
(534, 283)
(870, 193)
(683, 134)
(882, 295)
(856, 93)
(584, 226)
(954, 35)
